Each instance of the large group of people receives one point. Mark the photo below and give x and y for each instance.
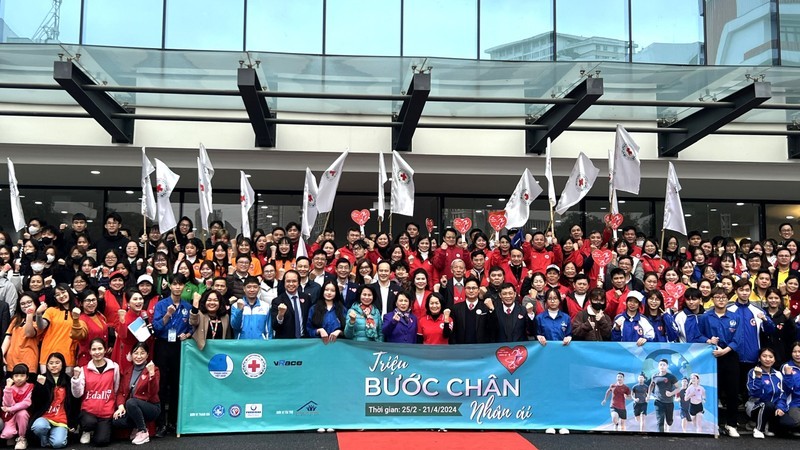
(78, 361)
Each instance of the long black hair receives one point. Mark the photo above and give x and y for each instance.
(320, 308)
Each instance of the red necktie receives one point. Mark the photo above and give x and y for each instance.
(471, 306)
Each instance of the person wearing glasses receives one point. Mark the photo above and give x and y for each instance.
(473, 320)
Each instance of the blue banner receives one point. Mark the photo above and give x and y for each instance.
(246, 386)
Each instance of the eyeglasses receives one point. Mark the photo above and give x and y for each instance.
(471, 288)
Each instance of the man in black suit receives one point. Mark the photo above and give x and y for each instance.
(286, 322)
(473, 322)
(514, 323)
(306, 284)
(318, 274)
(385, 288)
(453, 289)
(347, 288)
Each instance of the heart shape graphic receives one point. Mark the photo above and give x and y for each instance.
(614, 219)
(462, 224)
(498, 220)
(360, 217)
(429, 225)
(601, 257)
(674, 290)
(512, 358)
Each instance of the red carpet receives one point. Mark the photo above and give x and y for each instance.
(430, 440)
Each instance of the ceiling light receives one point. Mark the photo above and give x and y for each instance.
(129, 192)
(89, 220)
(95, 172)
(501, 199)
(790, 217)
(734, 224)
(64, 212)
(713, 210)
(263, 207)
(705, 231)
(38, 203)
(740, 204)
(247, 175)
(488, 206)
(603, 208)
(621, 202)
(687, 215)
(269, 216)
(274, 224)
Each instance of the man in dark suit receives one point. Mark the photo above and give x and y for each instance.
(453, 289)
(347, 288)
(286, 322)
(514, 323)
(386, 289)
(473, 322)
(318, 274)
(306, 283)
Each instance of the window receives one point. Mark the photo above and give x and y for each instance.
(789, 34)
(583, 24)
(129, 205)
(778, 214)
(506, 22)
(635, 212)
(348, 22)
(114, 22)
(227, 208)
(281, 26)
(54, 206)
(26, 21)
(736, 220)
(741, 32)
(667, 32)
(447, 28)
(205, 24)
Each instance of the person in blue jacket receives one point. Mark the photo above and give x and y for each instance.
(752, 321)
(664, 327)
(791, 386)
(630, 326)
(767, 403)
(250, 317)
(688, 319)
(400, 325)
(326, 318)
(553, 324)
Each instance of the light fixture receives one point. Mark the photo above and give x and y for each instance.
(489, 206)
(558, 221)
(478, 211)
(734, 224)
(740, 204)
(64, 212)
(274, 224)
(89, 221)
(713, 210)
(259, 194)
(129, 192)
(38, 203)
(621, 202)
(263, 207)
(603, 208)
(501, 199)
(687, 215)
(269, 216)
(95, 172)
(705, 231)
(790, 217)
(247, 175)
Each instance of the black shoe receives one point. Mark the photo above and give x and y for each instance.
(162, 431)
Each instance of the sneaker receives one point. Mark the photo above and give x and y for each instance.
(550, 431)
(758, 434)
(329, 430)
(731, 431)
(768, 433)
(22, 443)
(320, 430)
(142, 437)
(162, 431)
(86, 437)
(563, 431)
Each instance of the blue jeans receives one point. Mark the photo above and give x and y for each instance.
(50, 436)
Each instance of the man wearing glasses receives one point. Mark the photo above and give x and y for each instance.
(473, 321)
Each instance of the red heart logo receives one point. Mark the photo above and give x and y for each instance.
(674, 290)
(429, 225)
(512, 358)
(602, 257)
(498, 220)
(360, 217)
(462, 224)
(614, 219)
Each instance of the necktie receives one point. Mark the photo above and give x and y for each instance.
(298, 332)
(508, 310)
(471, 306)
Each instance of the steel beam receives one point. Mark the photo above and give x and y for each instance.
(256, 106)
(100, 105)
(706, 121)
(419, 89)
(558, 118)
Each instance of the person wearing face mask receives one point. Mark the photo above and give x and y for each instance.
(592, 324)
(34, 230)
(30, 251)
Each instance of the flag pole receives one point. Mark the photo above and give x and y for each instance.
(552, 222)
(391, 215)
(661, 248)
(146, 234)
(325, 225)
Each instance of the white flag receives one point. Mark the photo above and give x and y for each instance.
(16, 204)
(165, 184)
(402, 186)
(205, 172)
(673, 210)
(309, 204)
(148, 199)
(248, 198)
(579, 183)
(301, 248)
(548, 173)
(382, 179)
(328, 184)
(518, 207)
(626, 173)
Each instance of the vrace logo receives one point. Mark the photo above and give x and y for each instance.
(287, 362)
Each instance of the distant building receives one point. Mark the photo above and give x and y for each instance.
(570, 48)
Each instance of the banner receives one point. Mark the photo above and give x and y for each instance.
(277, 385)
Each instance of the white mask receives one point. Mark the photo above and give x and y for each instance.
(639, 242)
(33, 230)
(50, 259)
(37, 267)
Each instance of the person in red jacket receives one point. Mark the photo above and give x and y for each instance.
(97, 383)
(137, 398)
(449, 251)
(540, 257)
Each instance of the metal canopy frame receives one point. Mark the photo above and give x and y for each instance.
(706, 121)
(100, 105)
(256, 107)
(418, 91)
(558, 118)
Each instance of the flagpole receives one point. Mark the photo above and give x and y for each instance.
(144, 230)
(380, 222)
(552, 222)
(661, 248)
(390, 224)
(325, 225)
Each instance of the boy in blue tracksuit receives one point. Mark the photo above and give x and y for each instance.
(631, 326)
(250, 317)
(688, 319)
(752, 321)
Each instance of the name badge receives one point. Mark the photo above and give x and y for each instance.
(172, 335)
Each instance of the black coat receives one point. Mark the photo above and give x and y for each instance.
(287, 329)
(485, 323)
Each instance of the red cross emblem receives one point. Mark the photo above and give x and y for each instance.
(254, 366)
(243, 198)
(202, 187)
(159, 188)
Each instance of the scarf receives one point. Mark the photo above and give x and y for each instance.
(367, 311)
(404, 316)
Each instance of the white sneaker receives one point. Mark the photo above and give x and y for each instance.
(142, 437)
(329, 430)
(22, 443)
(758, 434)
(86, 437)
(563, 431)
(320, 430)
(731, 431)
(550, 431)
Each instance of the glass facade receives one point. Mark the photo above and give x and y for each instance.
(281, 26)
(440, 28)
(203, 24)
(40, 21)
(517, 30)
(349, 22)
(138, 27)
(789, 19)
(667, 32)
(777, 214)
(588, 31)
(742, 32)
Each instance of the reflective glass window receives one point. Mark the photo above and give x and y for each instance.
(276, 210)
(635, 212)
(105, 24)
(362, 27)
(39, 21)
(790, 32)
(227, 208)
(736, 220)
(205, 24)
(479, 209)
(741, 32)
(780, 214)
(519, 30)
(447, 28)
(54, 206)
(128, 204)
(590, 31)
(667, 32)
(281, 26)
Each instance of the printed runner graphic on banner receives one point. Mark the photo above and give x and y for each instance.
(246, 386)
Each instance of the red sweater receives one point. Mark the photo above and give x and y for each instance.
(97, 389)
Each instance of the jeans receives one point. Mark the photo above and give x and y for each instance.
(137, 414)
(49, 435)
